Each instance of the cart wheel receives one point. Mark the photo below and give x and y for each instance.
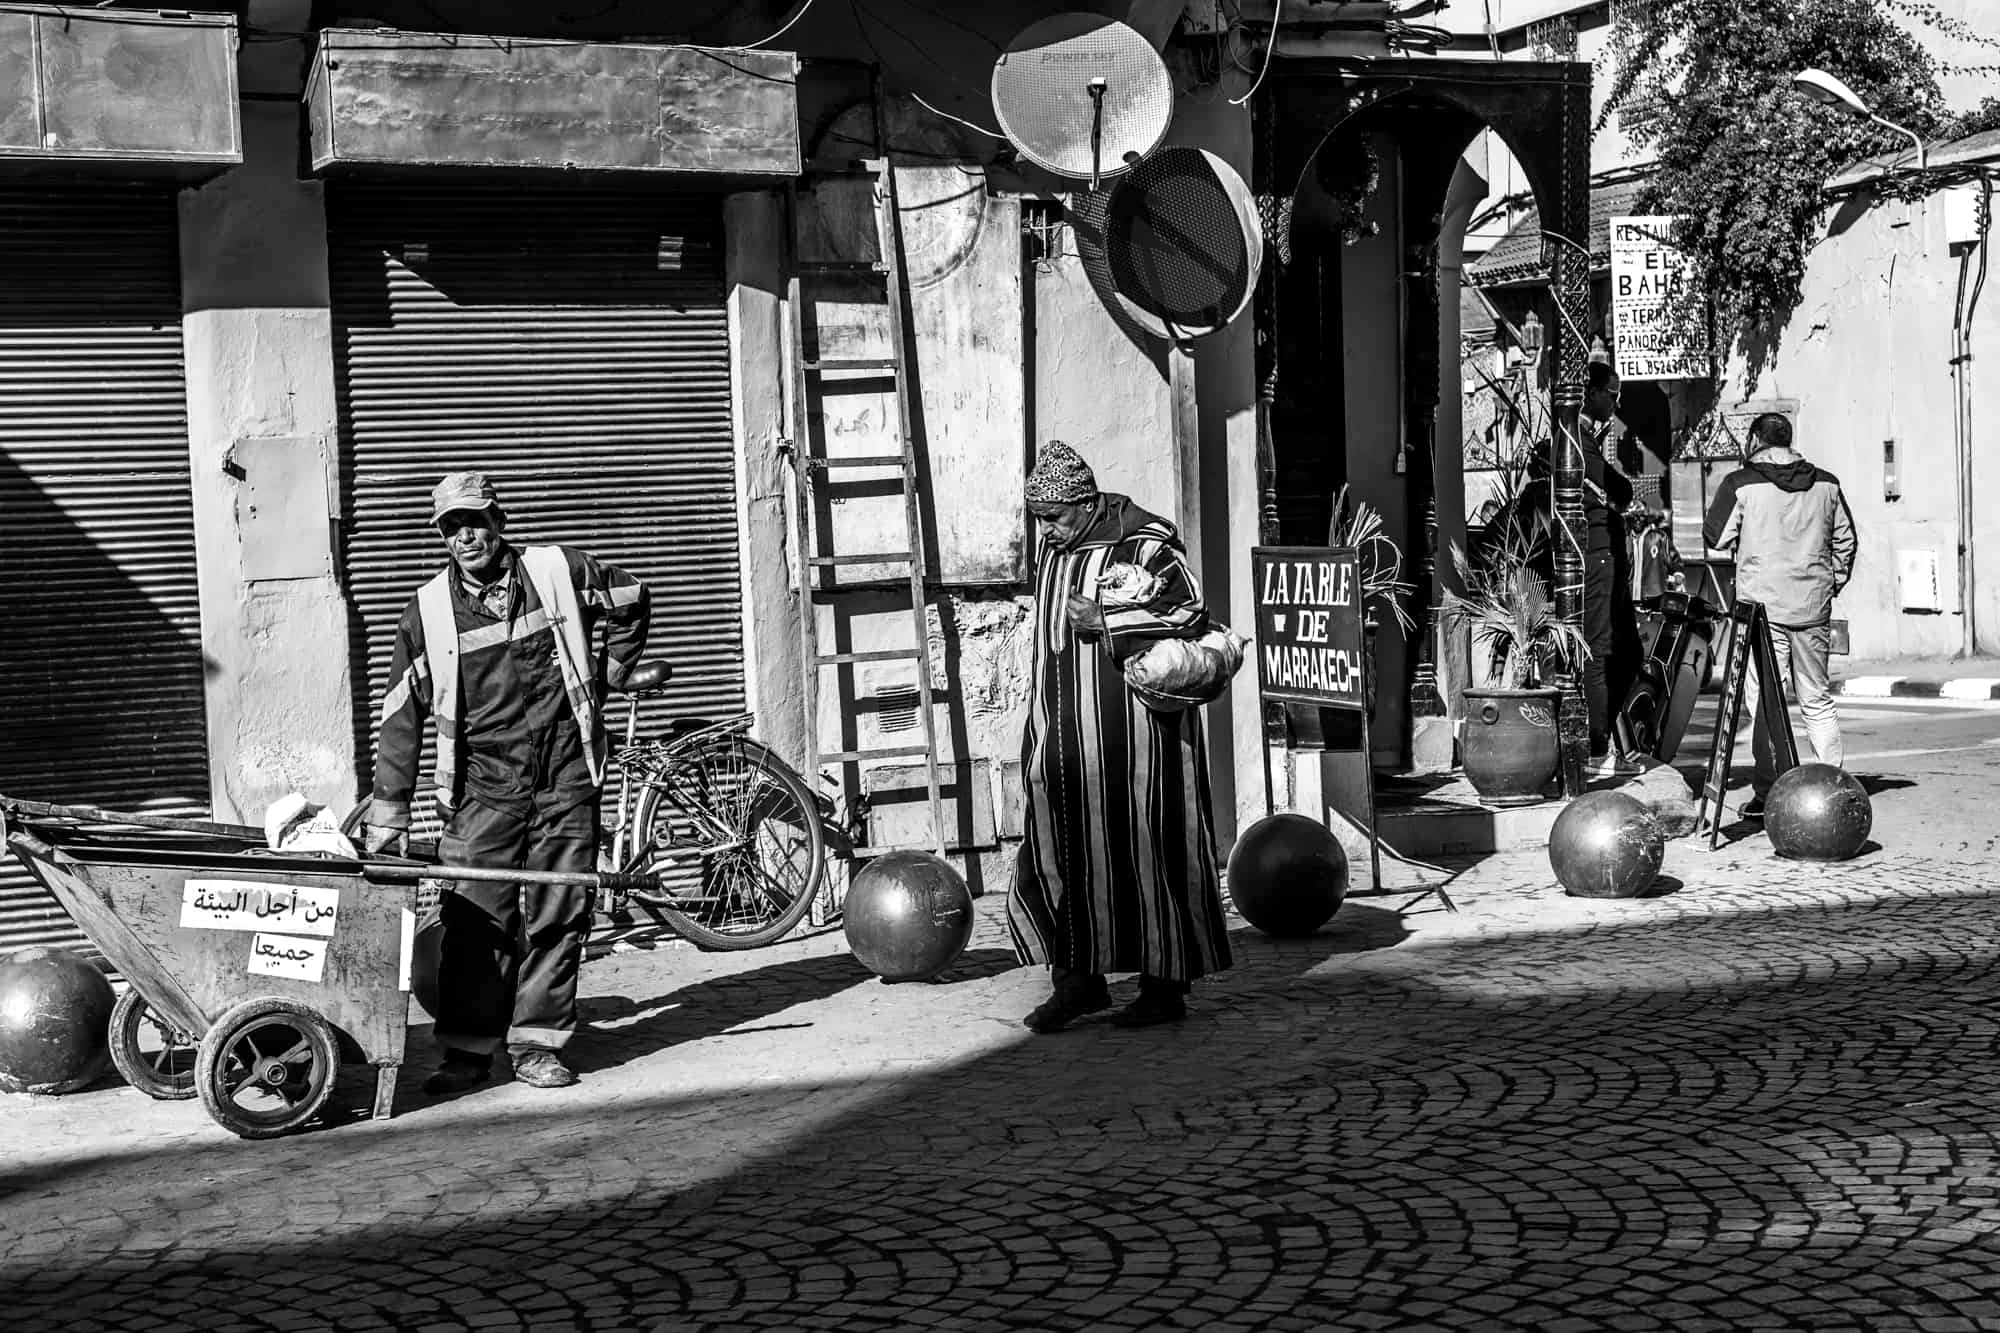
(266, 1067)
(155, 1057)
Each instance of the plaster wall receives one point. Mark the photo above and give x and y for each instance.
(1962, 91)
(754, 247)
(1097, 389)
(258, 336)
(1867, 357)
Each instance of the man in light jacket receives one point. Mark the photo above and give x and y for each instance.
(499, 651)
(1794, 543)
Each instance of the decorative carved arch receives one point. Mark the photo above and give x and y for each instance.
(1541, 110)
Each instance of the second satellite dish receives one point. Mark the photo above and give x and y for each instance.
(1082, 95)
(1182, 241)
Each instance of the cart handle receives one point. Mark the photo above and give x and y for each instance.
(96, 815)
(614, 881)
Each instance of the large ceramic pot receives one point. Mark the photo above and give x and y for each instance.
(1510, 744)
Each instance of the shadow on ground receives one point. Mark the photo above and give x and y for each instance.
(1709, 1122)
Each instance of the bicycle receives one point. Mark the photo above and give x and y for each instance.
(731, 830)
(728, 830)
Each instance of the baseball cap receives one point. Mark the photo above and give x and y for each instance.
(463, 491)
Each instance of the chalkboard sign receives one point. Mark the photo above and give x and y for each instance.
(1309, 643)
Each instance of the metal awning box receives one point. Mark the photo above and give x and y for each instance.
(136, 91)
(381, 98)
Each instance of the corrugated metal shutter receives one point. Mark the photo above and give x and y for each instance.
(573, 344)
(100, 661)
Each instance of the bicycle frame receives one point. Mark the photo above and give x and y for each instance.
(655, 760)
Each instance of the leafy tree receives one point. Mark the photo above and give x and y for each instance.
(1743, 155)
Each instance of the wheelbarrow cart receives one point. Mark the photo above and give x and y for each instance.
(274, 968)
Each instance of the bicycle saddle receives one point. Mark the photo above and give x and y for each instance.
(648, 677)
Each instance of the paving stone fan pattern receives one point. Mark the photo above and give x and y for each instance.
(1765, 1106)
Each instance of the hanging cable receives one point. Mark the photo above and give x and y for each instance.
(992, 134)
(1270, 46)
(790, 24)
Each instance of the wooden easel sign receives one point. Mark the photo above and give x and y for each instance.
(1750, 649)
(1310, 647)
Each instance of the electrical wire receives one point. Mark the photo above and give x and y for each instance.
(804, 9)
(1270, 46)
(991, 134)
(863, 24)
(939, 14)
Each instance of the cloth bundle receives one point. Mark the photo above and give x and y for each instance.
(294, 824)
(1186, 671)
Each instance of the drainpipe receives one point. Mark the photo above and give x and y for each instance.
(1961, 378)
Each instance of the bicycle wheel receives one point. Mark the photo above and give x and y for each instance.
(731, 790)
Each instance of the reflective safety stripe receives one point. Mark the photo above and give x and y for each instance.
(621, 596)
(441, 642)
(399, 695)
(548, 573)
(486, 636)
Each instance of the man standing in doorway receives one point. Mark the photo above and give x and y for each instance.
(1794, 541)
(498, 648)
(1611, 622)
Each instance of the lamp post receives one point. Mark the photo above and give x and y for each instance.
(1824, 87)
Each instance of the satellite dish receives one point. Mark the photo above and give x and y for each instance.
(1182, 241)
(1082, 95)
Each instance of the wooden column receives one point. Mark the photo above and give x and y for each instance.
(1566, 249)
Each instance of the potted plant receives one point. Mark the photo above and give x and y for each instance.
(1379, 566)
(1510, 749)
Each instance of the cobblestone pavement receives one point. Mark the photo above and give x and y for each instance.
(1763, 1099)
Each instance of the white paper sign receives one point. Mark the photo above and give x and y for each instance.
(299, 957)
(234, 904)
(1653, 334)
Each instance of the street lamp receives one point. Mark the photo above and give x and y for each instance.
(1824, 87)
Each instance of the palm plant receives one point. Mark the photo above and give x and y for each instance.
(1379, 561)
(1507, 607)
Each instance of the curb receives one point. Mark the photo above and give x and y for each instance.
(1905, 687)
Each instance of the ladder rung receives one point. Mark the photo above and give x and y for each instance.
(825, 364)
(863, 460)
(893, 752)
(879, 558)
(869, 853)
(882, 655)
(842, 266)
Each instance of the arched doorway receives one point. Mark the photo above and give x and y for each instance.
(1354, 167)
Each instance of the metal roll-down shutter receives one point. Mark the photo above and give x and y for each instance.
(573, 344)
(100, 657)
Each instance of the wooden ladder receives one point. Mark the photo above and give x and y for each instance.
(818, 375)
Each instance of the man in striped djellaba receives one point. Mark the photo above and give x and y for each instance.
(1117, 868)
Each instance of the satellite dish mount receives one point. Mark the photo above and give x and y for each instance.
(1097, 89)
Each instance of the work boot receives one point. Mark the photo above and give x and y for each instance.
(1075, 994)
(542, 1069)
(460, 1072)
(1752, 808)
(1160, 1001)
